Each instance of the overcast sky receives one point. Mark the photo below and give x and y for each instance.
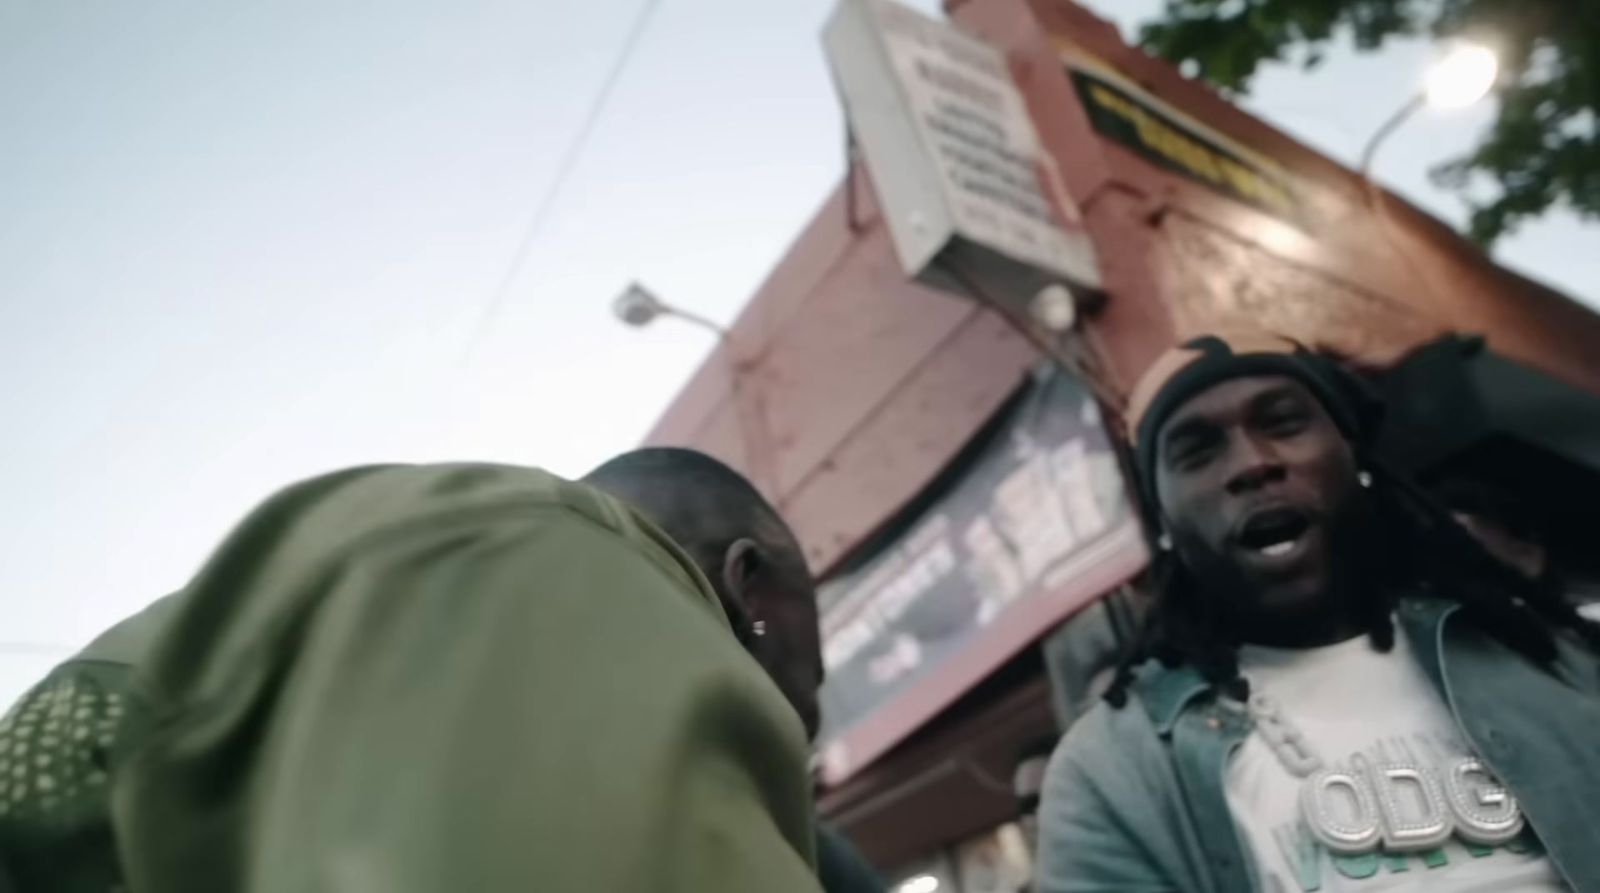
(245, 243)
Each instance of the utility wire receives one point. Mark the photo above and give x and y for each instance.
(569, 162)
(38, 648)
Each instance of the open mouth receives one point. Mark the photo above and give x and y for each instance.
(1273, 532)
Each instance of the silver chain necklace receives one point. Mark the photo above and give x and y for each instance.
(1284, 738)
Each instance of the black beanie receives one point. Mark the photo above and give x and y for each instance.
(1198, 364)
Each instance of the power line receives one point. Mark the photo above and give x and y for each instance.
(39, 648)
(569, 162)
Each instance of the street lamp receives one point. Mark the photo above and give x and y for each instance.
(1055, 308)
(1459, 78)
(638, 307)
(1463, 76)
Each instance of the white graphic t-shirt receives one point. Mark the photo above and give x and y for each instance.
(1395, 802)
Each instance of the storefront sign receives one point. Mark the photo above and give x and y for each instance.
(1132, 118)
(950, 146)
(1036, 526)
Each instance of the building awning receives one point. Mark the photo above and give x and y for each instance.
(1459, 411)
(1030, 524)
(1454, 394)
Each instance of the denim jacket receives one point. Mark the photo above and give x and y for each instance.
(1134, 799)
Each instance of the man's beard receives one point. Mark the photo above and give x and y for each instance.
(1360, 563)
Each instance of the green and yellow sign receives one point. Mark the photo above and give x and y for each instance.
(1137, 121)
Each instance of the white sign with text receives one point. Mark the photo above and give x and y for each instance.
(949, 143)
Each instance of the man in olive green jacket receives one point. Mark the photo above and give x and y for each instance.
(440, 678)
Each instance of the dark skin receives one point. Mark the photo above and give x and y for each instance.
(759, 576)
(1258, 491)
(768, 584)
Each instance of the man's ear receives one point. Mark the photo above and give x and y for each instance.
(741, 564)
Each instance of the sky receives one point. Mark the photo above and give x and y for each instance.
(242, 244)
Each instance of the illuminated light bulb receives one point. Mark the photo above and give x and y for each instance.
(1462, 76)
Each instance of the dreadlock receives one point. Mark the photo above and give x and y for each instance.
(1426, 551)
(1418, 547)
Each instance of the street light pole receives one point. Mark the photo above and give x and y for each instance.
(1388, 127)
(1455, 80)
(637, 306)
(695, 319)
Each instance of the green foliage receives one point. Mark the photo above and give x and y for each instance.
(1544, 147)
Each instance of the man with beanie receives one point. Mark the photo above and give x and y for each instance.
(1337, 688)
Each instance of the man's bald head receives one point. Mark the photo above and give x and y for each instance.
(744, 548)
(701, 503)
